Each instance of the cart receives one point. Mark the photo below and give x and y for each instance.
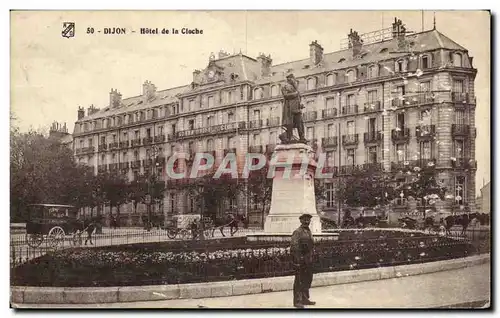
(51, 223)
(189, 227)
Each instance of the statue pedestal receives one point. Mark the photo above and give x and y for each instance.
(293, 190)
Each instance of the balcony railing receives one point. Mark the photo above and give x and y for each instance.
(136, 142)
(136, 164)
(329, 113)
(413, 99)
(410, 164)
(348, 140)
(349, 110)
(371, 166)
(311, 115)
(426, 131)
(257, 123)
(372, 106)
(124, 144)
(372, 137)
(330, 141)
(274, 121)
(102, 147)
(255, 149)
(223, 128)
(458, 97)
(147, 141)
(113, 145)
(460, 130)
(124, 165)
(88, 149)
(400, 134)
(159, 138)
(348, 169)
(463, 163)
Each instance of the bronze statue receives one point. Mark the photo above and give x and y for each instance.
(292, 115)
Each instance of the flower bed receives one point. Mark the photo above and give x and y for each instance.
(227, 259)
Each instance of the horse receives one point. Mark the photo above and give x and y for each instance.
(230, 220)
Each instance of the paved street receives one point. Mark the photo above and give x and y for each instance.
(462, 287)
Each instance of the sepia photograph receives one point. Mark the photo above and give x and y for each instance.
(250, 159)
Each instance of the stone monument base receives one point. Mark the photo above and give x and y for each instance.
(287, 223)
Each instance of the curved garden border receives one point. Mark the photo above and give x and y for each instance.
(88, 295)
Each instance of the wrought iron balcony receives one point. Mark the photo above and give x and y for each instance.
(411, 164)
(413, 99)
(223, 128)
(159, 138)
(460, 130)
(255, 149)
(124, 144)
(372, 137)
(147, 141)
(257, 123)
(136, 142)
(274, 121)
(329, 113)
(310, 115)
(425, 132)
(136, 164)
(113, 145)
(349, 110)
(348, 140)
(458, 97)
(372, 106)
(124, 165)
(102, 147)
(400, 135)
(329, 141)
(463, 163)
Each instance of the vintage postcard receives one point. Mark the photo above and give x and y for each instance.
(250, 159)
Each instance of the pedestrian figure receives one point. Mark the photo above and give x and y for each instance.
(302, 252)
(89, 229)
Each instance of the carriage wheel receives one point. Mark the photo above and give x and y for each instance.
(55, 236)
(184, 234)
(171, 233)
(34, 240)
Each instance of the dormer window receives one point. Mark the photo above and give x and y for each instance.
(400, 66)
(311, 83)
(425, 62)
(351, 76)
(372, 71)
(457, 59)
(274, 90)
(257, 93)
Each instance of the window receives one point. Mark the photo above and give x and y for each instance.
(103, 159)
(191, 105)
(173, 129)
(114, 137)
(91, 141)
(350, 157)
(103, 140)
(458, 148)
(113, 158)
(425, 150)
(210, 120)
(330, 159)
(124, 156)
(230, 97)
(459, 117)
(400, 121)
(256, 114)
(372, 154)
(257, 93)
(310, 133)
(191, 124)
(230, 117)
(400, 66)
(425, 62)
(81, 143)
(350, 101)
(458, 86)
(350, 127)
(210, 101)
(108, 124)
(330, 195)
(425, 86)
(401, 90)
(372, 96)
(85, 126)
(457, 59)
(274, 90)
(351, 76)
(191, 204)
(330, 80)
(256, 140)
(460, 190)
(136, 155)
(372, 71)
(125, 136)
(400, 152)
(311, 83)
(330, 130)
(272, 137)
(148, 133)
(210, 144)
(330, 103)
(425, 117)
(159, 130)
(372, 127)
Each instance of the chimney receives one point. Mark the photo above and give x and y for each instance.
(115, 98)
(57, 130)
(265, 63)
(355, 42)
(196, 73)
(148, 91)
(315, 52)
(81, 113)
(91, 110)
(223, 54)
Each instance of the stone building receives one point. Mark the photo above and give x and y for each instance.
(389, 98)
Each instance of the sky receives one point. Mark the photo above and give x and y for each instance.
(51, 75)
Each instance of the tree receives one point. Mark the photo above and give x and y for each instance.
(115, 190)
(138, 189)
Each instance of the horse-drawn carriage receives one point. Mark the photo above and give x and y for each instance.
(50, 223)
(189, 227)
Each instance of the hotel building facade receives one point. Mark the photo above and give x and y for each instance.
(387, 98)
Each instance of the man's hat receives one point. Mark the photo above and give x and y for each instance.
(305, 216)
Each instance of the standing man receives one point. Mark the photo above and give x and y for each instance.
(292, 114)
(302, 251)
